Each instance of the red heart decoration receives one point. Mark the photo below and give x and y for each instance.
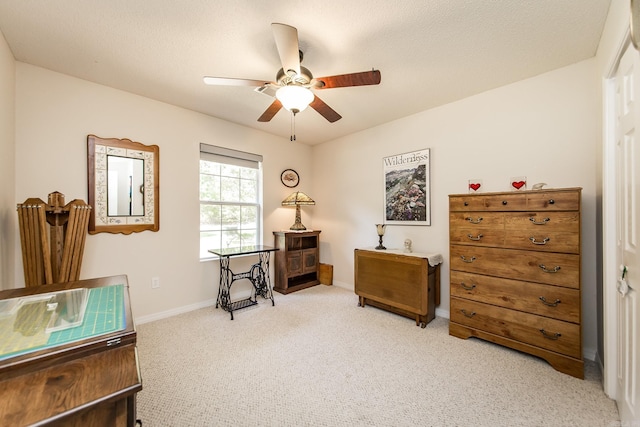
(474, 187)
(518, 184)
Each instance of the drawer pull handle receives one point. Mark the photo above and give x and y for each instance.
(543, 242)
(476, 239)
(469, 315)
(114, 341)
(469, 288)
(466, 203)
(550, 304)
(543, 222)
(472, 221)
(551, 201)
(550, 337)
(504, 202)
(546, 270)
(470, 260)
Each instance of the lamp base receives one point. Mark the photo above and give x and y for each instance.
(380, 246)
(297, 225)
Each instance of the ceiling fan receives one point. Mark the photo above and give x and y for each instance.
(292, 88)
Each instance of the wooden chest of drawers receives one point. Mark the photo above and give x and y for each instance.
(515, 272)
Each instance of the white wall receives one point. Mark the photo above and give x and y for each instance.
(545, 128)
(8, 217)
(54, 115)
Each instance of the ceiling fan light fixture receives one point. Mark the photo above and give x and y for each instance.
(294, 98)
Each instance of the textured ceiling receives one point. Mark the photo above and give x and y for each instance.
(430, 52)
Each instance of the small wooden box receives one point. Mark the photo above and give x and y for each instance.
(325, 274)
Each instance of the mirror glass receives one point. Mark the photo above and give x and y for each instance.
(123, 185)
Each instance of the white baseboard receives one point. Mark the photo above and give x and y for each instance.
(343, 285)
(442, 313)
(174, 311)
(590, 354)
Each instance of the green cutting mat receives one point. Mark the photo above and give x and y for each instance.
(104, 314)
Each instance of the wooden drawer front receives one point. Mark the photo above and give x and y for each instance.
(505, 202)
(543, 221)
(554, 335)
(554, 200)
(550, 241)
(479, 220)
(489, 202)
(545, 300)
(477, 236)
(550, 268)
(466, 203)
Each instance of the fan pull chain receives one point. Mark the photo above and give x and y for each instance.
(293, 127)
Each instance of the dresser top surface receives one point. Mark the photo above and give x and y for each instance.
(514, 192)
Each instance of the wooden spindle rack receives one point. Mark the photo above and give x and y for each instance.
(52, 236)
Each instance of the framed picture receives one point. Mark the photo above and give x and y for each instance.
(407, 191)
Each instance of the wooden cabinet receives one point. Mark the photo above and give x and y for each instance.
(75, 378)
(402, 283)
(515, 272)
(297, 260)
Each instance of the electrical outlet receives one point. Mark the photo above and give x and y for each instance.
(155, 282)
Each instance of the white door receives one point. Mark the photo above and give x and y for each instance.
(628, 236)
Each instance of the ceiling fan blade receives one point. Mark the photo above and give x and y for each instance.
(270, 112)
(269, 89)
(324, 110)
(286, 38)
(364, 78)
(225, 81)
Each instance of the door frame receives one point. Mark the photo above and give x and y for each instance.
(610, 224)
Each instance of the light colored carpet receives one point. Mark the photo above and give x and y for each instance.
(317, 359)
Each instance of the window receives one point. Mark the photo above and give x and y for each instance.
(230, 199)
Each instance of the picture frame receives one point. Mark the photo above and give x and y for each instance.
(407, 188)
(289, 178)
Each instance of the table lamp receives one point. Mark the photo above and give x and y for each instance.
(296, 199)
(380, 228)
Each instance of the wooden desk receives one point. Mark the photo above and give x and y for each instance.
(89, 381)
(404, 283)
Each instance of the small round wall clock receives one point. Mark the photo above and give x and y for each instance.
(289, 178)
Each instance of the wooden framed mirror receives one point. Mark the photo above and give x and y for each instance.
(124, 185)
